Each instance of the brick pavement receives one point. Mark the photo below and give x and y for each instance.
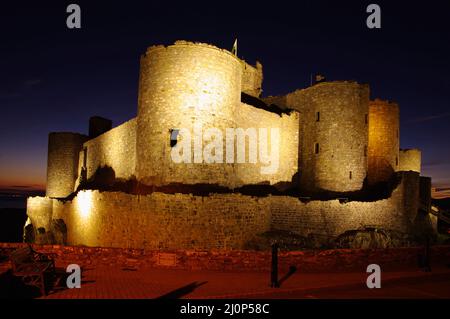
(114, 281)
(106, 282)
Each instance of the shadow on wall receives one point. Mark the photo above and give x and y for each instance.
(373, 238)
(423, 229)
(288, 240)
(105, 179)
(260, 104)
(367, 193)
(364, 238)
(56, 235)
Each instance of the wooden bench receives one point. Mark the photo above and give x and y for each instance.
(32, 267)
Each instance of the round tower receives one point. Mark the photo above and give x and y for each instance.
(334, 136)
(189, 86)
(62, 163)
(384, 146)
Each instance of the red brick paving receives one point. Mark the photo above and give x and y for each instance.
(105, 282)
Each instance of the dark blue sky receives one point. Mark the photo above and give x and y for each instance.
(54, 78)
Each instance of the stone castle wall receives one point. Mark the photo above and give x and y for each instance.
(383, 149)
(333, 135)
(287, 146)
(332, 218)
(62, 162)
(181, 86)
(410, 160)
(115, 149)
(194, 87)
(164, 221)
(114, 219)
(252, 78)
(330, 140)
(187, 85)
(206, 94)
(40, 211)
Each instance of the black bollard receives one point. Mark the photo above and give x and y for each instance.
(274, 273)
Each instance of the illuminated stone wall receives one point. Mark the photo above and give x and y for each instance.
(288, 125)
(114, 219)
(115, 149)
(40, 211)
(331, 218)
(383, 149)
(410, 160)
(252, 78)
(185, 86)
(181, 86)
(158, 220)
(62, 162)
(333, 135)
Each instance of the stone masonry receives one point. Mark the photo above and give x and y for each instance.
(336, 150)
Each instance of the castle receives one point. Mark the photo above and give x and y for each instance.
(340, 169)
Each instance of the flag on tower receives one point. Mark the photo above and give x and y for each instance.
(320, 78)
(234, 50)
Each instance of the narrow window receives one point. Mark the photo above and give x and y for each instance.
(84, 157)
(365, 151)
(350, 175)
(366, 119)
(174, 137)
(83, 173)
(318, 117)
(316, 148)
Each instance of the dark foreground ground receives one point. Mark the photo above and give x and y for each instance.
(11, 225)
(102, 282)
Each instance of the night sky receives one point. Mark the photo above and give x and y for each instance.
(54, 78)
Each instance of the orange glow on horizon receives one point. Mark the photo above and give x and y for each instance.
(20, 185)
(22, 180)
